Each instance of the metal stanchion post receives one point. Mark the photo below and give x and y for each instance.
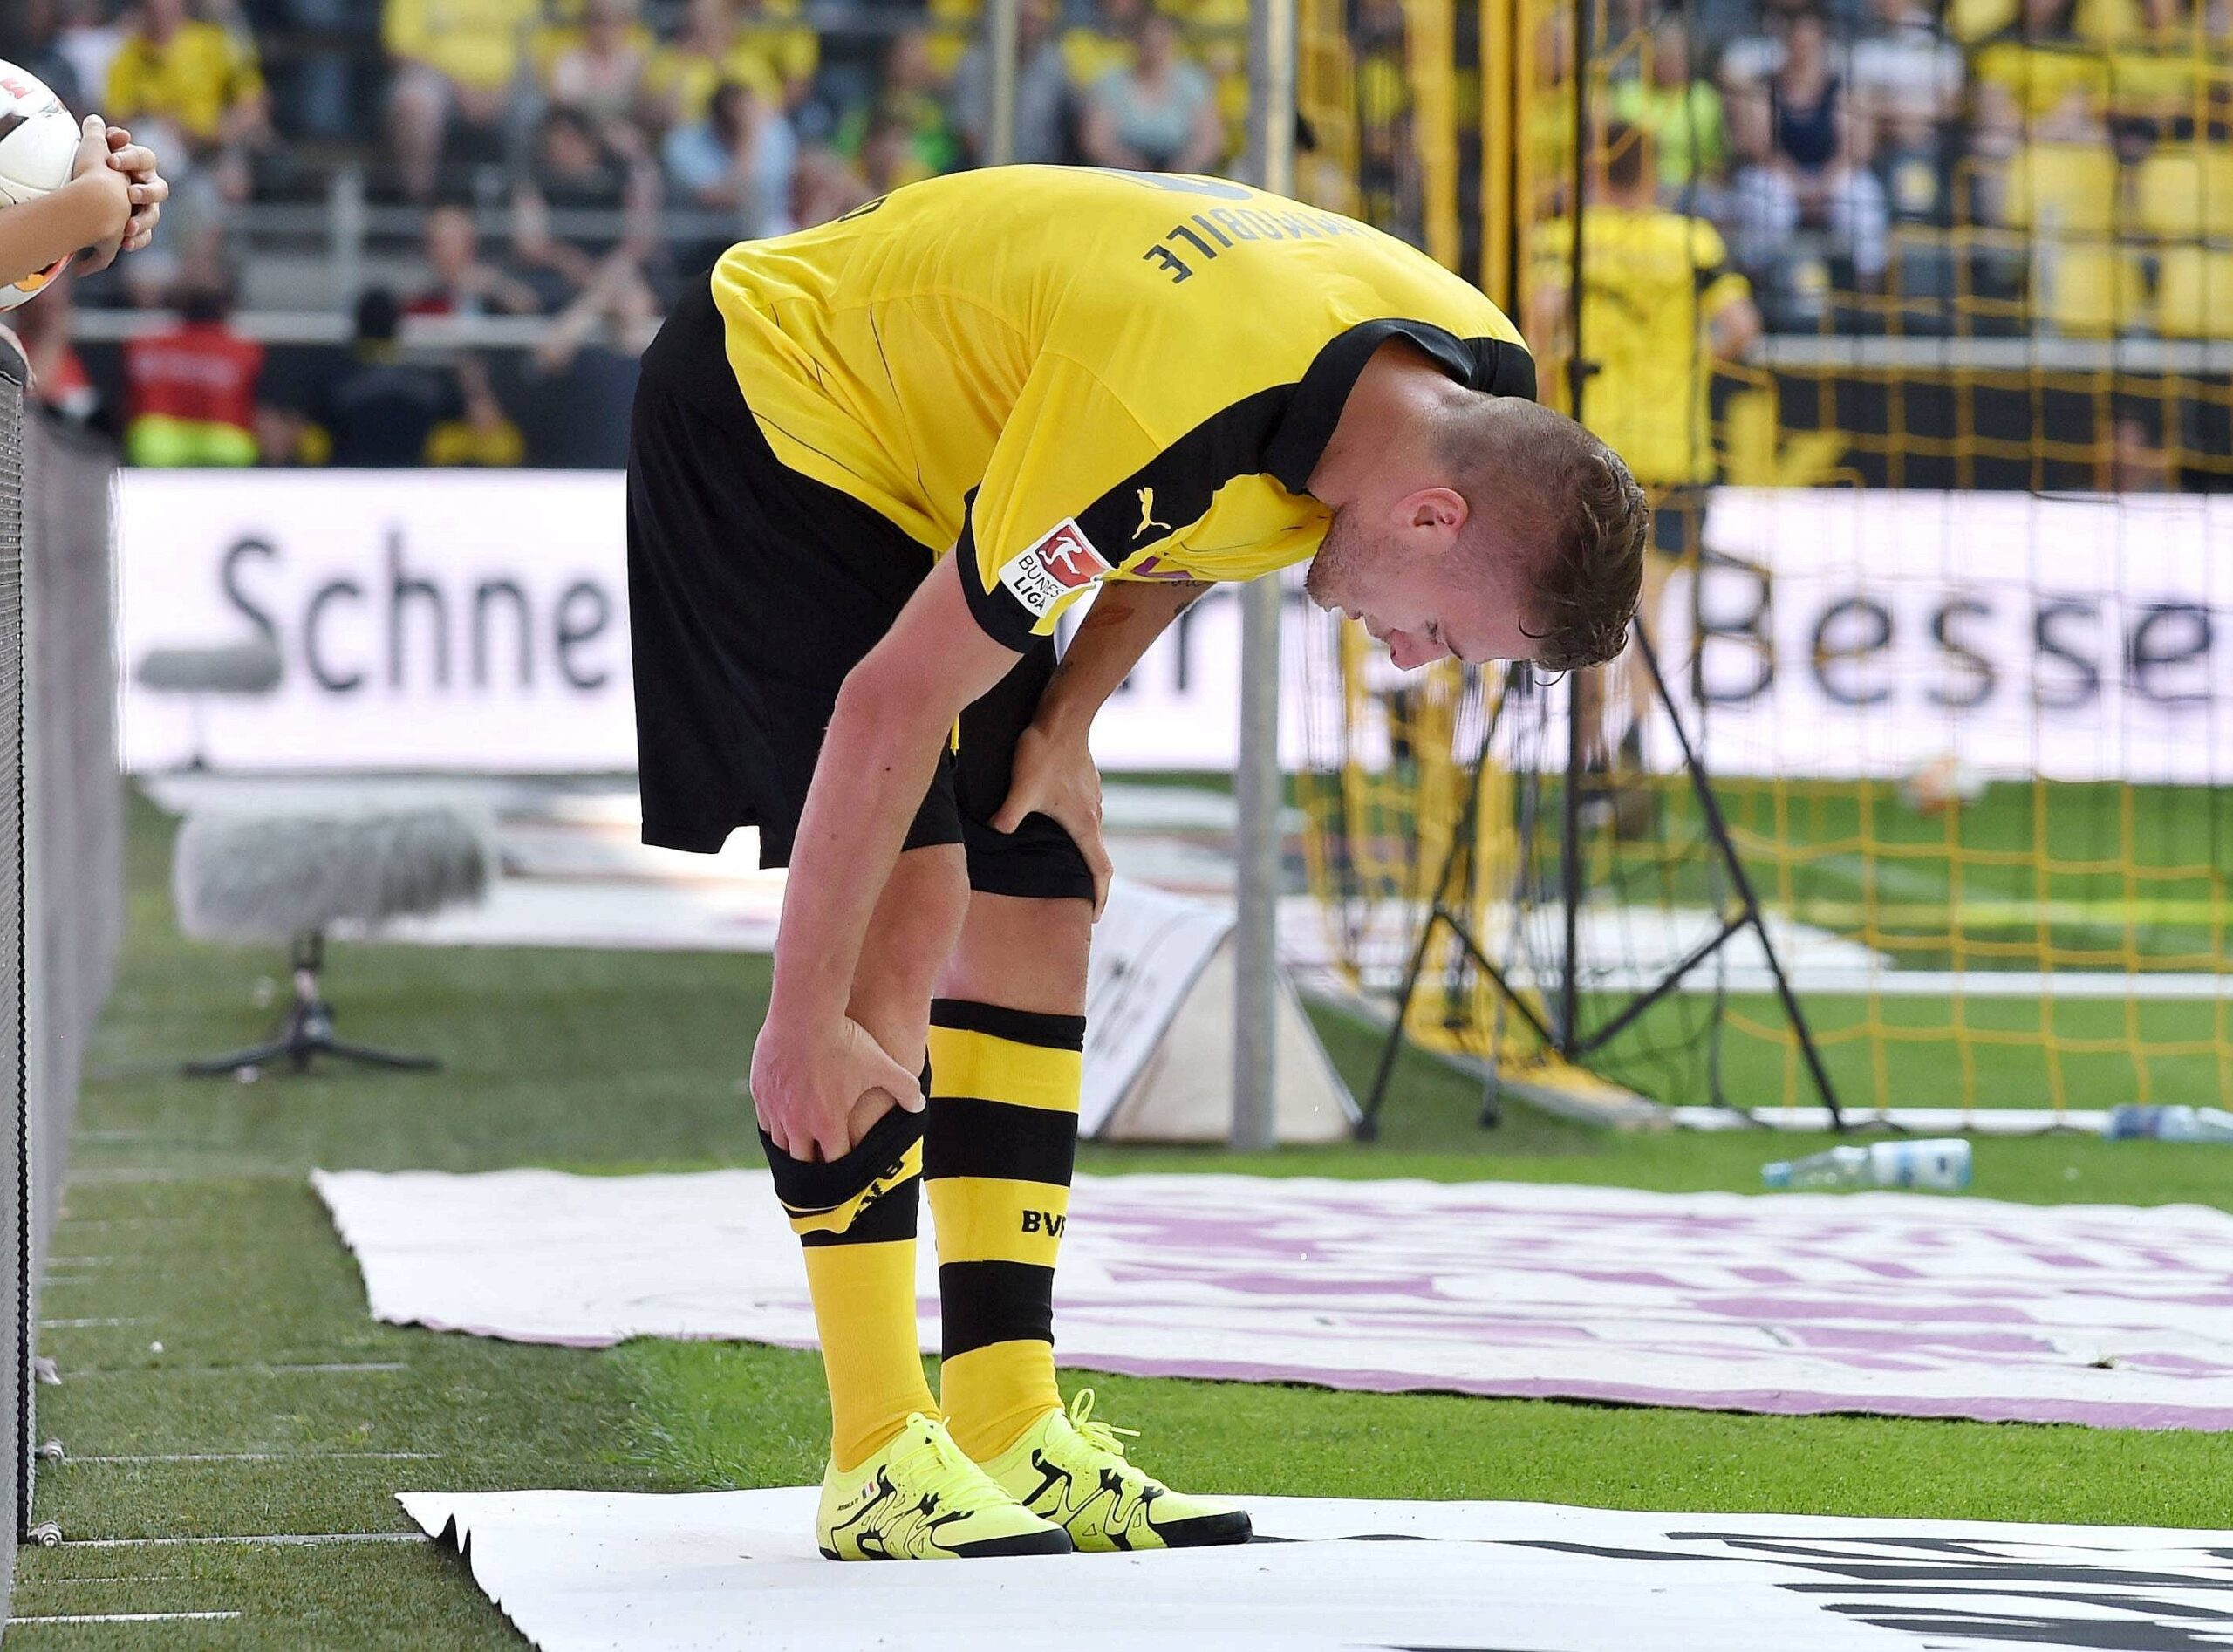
(1259, 793)
(1002, 38)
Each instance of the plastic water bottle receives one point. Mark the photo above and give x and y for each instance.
(2142, 1121)
(1938, 1167)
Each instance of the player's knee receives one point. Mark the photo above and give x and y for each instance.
(1023, 954)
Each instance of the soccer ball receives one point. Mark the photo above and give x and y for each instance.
(38, 144)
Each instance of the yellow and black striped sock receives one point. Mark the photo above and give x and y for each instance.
(997, 1153)
(855, 1217)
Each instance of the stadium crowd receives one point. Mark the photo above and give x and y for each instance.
(574, 160)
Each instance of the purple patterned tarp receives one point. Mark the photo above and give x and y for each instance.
(1899, 1304)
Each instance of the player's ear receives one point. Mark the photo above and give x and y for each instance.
(1438, 514)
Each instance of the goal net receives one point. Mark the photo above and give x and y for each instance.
(1941, 565)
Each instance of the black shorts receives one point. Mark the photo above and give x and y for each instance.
(753, 590)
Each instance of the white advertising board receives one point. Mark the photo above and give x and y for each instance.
(424, 618)
(446, 619)
(478, 620)
(2078, 637)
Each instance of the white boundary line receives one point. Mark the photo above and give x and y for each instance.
(258, 1456)
(83, 1324)
(128, 1617)
(270, 1539)
(336, 1367)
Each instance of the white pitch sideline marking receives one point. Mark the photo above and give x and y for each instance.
(129, 1617)
(260, 1457)
(271, 1539)
(330, 1368)
(76, 1324)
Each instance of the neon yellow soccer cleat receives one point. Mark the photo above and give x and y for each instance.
(921, 1498)
(1071, 1469)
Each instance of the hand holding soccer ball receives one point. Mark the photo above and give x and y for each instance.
(69, 188)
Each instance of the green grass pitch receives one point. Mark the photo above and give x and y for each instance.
(275, 1406)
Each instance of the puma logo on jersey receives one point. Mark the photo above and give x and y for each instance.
(1047, 1222)
(1147, 515)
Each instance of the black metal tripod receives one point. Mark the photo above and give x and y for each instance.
(1563, 1032)
(307, 1029)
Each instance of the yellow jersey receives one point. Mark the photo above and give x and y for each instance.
(476, 42)
(1651, 280)
(194, 78)
(1063, 374)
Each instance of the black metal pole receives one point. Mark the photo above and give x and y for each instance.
(1369, 1123)
(1718, 829)
(1570, 882)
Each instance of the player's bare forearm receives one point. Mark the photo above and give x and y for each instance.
(891, 721)
(1121, 625)
(89, 210)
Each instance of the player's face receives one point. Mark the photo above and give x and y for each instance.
(1424, 598)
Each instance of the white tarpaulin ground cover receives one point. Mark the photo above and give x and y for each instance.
(736, 1571)
(1901, 1304)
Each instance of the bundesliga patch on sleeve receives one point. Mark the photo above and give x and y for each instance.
(1063, 562)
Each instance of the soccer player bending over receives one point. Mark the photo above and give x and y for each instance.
(871, 464)
(110, 205)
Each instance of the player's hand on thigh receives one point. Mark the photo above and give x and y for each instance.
(1055, 775)
(819, 1087)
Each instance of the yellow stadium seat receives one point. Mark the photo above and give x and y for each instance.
(2194, 294)
(2185, 192)
(2094, 290)
(2070, 189)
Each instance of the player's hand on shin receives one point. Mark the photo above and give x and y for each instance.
(1054, 775)
(819, 1090)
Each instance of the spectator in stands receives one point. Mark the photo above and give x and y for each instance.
(2037, 80)
(738, 159)
(578, 384)
(712, 48)
(1159, 115)
(483, 433)
(787, 50)
(1681, 112)
(380, 410)
(1907, 83)
(1806, 159)
(1904, 67)
(600, 73)
(190, 390)
(39, 50)
(574, 175)
(887, 157)
(456, 64)
(88, 40)
(823, 186)
(1042, 92)
(463, 283)
(913, 100)
(1107, 41)
(197, 78)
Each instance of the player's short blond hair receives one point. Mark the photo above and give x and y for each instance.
(1529, 472)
